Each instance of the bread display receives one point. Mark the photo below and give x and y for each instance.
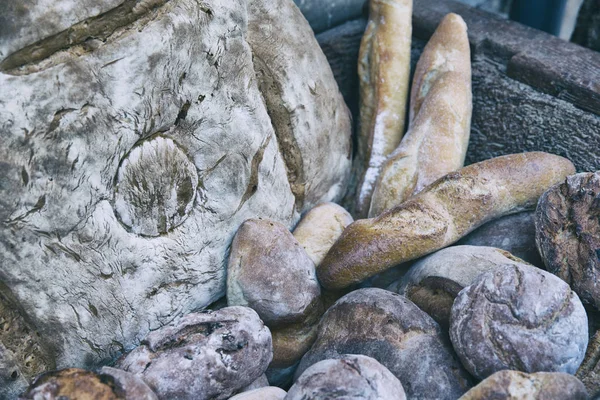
(440, 215)
(170, 173)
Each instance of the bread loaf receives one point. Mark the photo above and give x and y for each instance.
(440, 119)
(384, 71)
(448, 209)
(320, 228)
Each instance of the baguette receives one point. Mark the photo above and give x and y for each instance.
(444, 212)
(384, 71)
(440, 119)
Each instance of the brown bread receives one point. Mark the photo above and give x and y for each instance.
(447, 210)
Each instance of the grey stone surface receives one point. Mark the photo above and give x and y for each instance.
(207, 355)
(101, 240)
(518, 317)
(406, 341)
(351, 377)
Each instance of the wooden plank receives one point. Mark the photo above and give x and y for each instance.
(509, 116)
(323, 15)
(547, 63)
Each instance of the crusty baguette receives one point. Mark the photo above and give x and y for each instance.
(448, 209)
(384, 71)
(440, 119)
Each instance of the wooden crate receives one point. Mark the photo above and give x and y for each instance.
(531, 91)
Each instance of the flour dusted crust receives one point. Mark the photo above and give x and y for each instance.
(355, 376)
(518, 317)
(440, 119)
(101, 240)
(208, 355)
(447, 210)
(384, 72)
(515, 385)
(269, 272)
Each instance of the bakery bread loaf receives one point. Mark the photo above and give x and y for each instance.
(447, 210)
(440, 119)
(384, 71)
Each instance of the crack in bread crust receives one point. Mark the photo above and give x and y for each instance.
(82, 37)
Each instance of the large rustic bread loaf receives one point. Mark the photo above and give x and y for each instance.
(384, 72)
(440, 215)
(440, 119)
(137, 136)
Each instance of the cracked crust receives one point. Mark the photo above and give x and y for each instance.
(440, 119)
(207, 355)
(567, 224)
(384, 72)
(515, 385)
(408, 342)
(447, 210)
(89, 281)
(518, 317)
(433, 282)
(349, 377)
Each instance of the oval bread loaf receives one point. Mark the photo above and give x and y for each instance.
(440, 119)
(440, 215)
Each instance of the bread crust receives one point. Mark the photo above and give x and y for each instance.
(440, 119)
(444, 212)
(384, 71)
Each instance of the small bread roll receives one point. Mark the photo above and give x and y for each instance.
(320, 228)
(384, 72)
(440, 119)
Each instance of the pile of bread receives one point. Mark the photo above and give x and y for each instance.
(462, 322)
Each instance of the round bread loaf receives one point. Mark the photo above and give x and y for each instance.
(518, 317)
